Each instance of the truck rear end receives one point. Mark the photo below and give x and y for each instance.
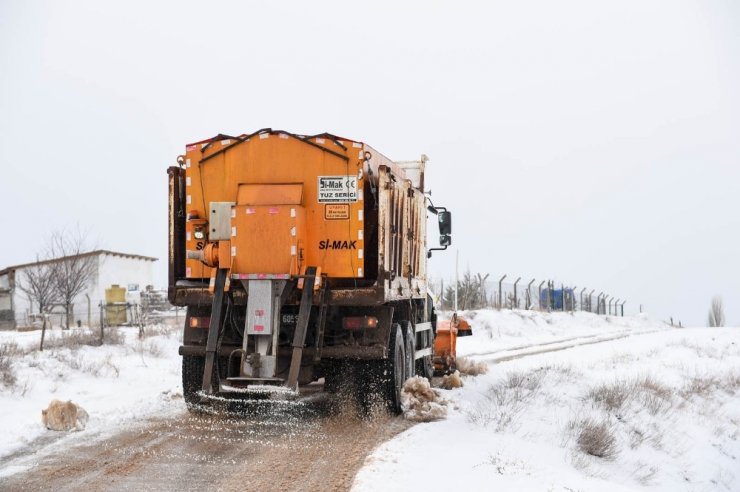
(298, 258)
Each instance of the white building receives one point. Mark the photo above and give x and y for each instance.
(132, 272)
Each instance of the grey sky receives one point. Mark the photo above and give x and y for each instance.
(588, 142)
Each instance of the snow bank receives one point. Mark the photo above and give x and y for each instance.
(118, 383)
(420, 402)
(659, 409)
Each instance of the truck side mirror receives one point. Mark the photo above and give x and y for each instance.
(445, 222)
(445, 240)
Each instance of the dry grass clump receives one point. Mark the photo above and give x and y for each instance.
(700, 386)
(596, 438)
(652, 395)
(160, 330)
(504, 401)
(611, 396)
(8, 352)
(76, 338)
(420, 402)
(469, 367)
(77, 362)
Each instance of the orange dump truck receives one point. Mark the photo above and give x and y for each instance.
(299, 258)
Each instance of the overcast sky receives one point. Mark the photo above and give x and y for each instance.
(590, 142)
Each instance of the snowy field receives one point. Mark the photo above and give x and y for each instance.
(119, 383)
(638, 405)
(657, 409)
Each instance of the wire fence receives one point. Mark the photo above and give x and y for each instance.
(153, 308)
(477, 291)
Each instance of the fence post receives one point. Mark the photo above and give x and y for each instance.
(516, 300)
(529, 295)
(581, 297)
(539, 294)
(623, 303)
(598, 303)
(500, 303)
(102, 322)
(615, 306)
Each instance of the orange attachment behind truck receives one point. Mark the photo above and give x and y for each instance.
(445, 343)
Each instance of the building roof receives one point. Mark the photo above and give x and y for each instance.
(89, 253)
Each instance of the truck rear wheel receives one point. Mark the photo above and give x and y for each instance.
(409, 338)
(395, 371)
(192, 380)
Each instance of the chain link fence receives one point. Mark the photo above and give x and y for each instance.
(478, 291)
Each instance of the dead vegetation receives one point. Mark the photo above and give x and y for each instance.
(77, 338)
(646, 391)
(8, 352)
(77, 362)
(504, 401)
(595, 437)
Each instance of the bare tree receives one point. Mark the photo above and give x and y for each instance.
(38, 284)
(73, 269)
(717, 312)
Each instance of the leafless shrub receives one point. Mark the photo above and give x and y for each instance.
(699, 386)
(77, 338)
(8, 352)
(596, 438)
(644, 473)
(730, 382)
(151, 347)
(505, 400)
(77, 362)
(160, 330)
(611, 396)
(655, 397)
(716, 312)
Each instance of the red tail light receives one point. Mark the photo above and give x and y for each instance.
(359, 322)
(200, 322)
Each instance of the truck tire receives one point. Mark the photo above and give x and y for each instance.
(192, 380)
(395, 369)
(425, 367)
(409, 338)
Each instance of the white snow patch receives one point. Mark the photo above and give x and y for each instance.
(669, 399)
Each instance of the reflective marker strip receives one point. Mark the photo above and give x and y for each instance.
(360, 234)
(292, 251)
(359, 253)
(233, 231)
(264, 136)
(187, 181)
(359, 215)
(233, 251)
(189, 199)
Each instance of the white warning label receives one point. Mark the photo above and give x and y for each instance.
(332, 189)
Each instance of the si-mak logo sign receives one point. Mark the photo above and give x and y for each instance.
(333, 189)
(334, 244)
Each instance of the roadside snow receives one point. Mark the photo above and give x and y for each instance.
(118, 384)
(661, 409)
